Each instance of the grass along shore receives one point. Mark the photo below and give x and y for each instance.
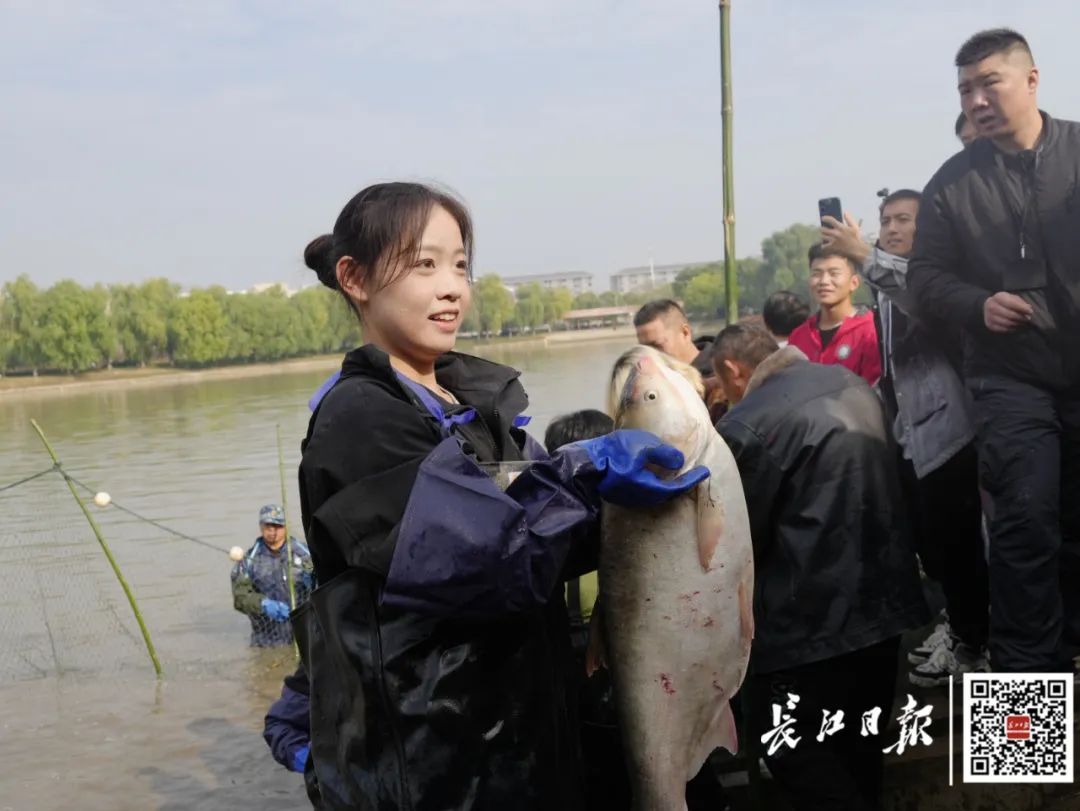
(60, 384)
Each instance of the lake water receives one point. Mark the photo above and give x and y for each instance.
(85, 725)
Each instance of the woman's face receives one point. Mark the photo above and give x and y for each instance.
(416, 318)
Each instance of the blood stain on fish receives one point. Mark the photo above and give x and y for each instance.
(665, 682)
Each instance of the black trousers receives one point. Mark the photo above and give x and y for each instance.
(844, 771)
(607, 782)
(1029, 463)
(946, 516)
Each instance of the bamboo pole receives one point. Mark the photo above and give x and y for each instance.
(285, 510)
(105, 548)
(288, 538)
(731, 284)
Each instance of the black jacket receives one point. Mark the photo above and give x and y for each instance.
(975, 213)
(414, 710)
(833, 563)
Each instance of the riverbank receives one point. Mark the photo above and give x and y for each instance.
(110, 379)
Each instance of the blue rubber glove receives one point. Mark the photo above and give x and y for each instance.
(275, 609)
(621, 457)
(300, 758)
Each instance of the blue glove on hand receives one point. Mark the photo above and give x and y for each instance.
(300, 758)
(275, 609)
(621, 457)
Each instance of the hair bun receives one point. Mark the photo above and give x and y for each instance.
(319, 256)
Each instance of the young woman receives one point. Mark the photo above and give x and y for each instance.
(436, 641)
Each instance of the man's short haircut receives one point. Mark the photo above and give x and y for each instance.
(961, 120)
(987, 43)
(652, 310)
(900, 194)
(819, 251)
(748, 344)
(784, 311)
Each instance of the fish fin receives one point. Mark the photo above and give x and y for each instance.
(728, 733)
(596, 652)
(721, 733)
(710, 524)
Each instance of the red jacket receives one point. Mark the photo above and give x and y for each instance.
(855, 345)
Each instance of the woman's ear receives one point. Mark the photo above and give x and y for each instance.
(350, 279)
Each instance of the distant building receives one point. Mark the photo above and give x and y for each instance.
(648, 276)
(577, 282)
(599, 317)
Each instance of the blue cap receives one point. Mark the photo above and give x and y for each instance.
(272, 514)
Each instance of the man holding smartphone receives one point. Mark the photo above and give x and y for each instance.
(930, 415)
(997, 250)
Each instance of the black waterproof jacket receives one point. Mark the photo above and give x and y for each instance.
(834, 568)
(426, 709)
(991, 222)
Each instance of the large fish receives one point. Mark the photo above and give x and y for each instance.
(676, 590)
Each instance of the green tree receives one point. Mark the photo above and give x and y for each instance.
(74, 327)
(141, 315)
(493, 303)
(751, 295)
(470, 320)
(198, 332)
(101, 326)
(313, 320)
(784, 264)
(586, 301)
(704, 295)
(557, 302)
(24, 303)
(7, 333)
(636, 298)
(529, 307)
(678, 287)
(262, 326)
(609, 298)
(344, 325)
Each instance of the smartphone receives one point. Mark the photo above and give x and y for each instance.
(830, 207)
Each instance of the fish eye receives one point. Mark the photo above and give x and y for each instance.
(651, 395)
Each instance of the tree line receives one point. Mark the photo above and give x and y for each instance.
(71, 328)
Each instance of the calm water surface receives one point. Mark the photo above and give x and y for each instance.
(84, 723)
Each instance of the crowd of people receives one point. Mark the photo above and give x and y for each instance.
(932, 437)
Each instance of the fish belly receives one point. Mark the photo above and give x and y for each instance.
(675, 646)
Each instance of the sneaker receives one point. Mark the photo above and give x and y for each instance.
(951, 659)
(939, 637)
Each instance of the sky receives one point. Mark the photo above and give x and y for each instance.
(208, 142)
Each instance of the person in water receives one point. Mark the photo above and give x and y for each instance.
(260, 580)
(437, 640)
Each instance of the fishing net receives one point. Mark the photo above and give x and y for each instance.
(64, 613)
(61, 610)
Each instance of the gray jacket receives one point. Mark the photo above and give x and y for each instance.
(932, 409)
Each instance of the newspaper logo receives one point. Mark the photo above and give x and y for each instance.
(1018, 728)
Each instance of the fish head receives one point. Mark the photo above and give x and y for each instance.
(653, 392)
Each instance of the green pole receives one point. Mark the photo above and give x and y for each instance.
(105, 549)
(731, 284)
(288, 537)
(285, 509)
